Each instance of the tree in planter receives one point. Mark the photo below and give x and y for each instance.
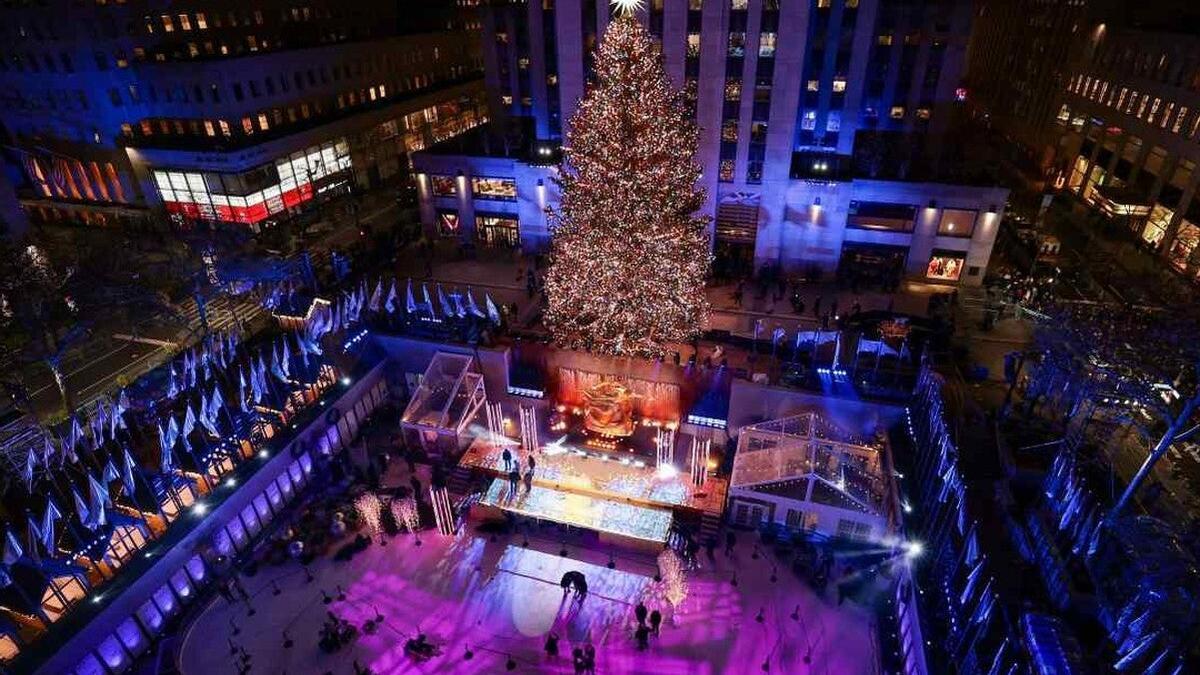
(629, 252)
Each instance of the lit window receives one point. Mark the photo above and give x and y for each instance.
(725, 171)
(884, 40)
(824, 4)
(224, 128)
(185, 22)
(262, 122)
(737, 44)
(247, 126)
(738, 4)
(834, 121)
(208, 128)
(957, 223)
(897, 112)
(733, 89)
(729, 131)
(494, 188)
(851, 4)
(808, 121)
(166, 22)
(839, 84)
(201, 22)
(766, 44)
(127, 130)
(923, 113)
(693, 45)
(813, 85)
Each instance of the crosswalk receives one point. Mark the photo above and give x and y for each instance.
(222, 313)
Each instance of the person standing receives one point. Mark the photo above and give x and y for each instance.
(552, 645)
(532, 462)
(730, 541)
(642, 634)
(506, 456)
(528, 481)
(589, 658)
(655, 621)
(640, 613)
(514, 480)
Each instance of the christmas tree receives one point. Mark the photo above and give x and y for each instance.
(629, 253)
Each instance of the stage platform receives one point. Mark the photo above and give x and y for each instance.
(578, 470)
(612, 519)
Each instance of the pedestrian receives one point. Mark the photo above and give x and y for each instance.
(506, 457)
(532, 463)
(552, 645)
(738, 292)
(589, 658)
(640, 612)
(514, 480)
(566, 582)
(642, 634)
(416, 487)
(710, 546)
(577, 658)
(528, 481)
(730, 540)
(655, 621)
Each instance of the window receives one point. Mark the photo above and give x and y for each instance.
(201, 22)
(1184, 246)
(729, 131)
(923, 113)
(766, 44)
(498, 230)
(852, 529)
(494, 188)
(185, 22)
(897, 112)
(262, 122)
(733, 89)
(725, 171)
(945, 266)
(808, 121)
(442, 186)
(738, 4)
(833, 122)
(1156, 225)
(693, 45)
(957, 223)
(839, 84)
(813, 85)
(737, 44)
(167, 24)
(884, 40)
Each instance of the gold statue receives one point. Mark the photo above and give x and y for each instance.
(608, 409)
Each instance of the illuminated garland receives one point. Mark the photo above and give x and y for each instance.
(630, 254)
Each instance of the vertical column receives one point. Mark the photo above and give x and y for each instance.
(529, 435)
(495, 421)
(443, 515)
(700, 450)
(665, 443)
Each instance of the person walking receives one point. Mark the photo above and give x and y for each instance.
(655, 621)
(640, 613)
(506, 457)
(528, 481)
(552, 645)
(514, 480)
(589, 658)
(730, 541)
(642, 635)
(577, 659)
(532, 462)
(738, 292)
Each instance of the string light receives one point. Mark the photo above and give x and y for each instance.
(629, 253)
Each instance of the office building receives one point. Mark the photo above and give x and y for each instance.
(822, 126)
(132, 111)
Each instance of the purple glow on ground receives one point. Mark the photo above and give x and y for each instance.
(501, 599)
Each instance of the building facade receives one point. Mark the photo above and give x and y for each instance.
(212, 111)
(815, 116)
(1130, 137)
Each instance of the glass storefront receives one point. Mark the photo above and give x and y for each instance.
(251, 197)
(497, 230)
(1184, 246)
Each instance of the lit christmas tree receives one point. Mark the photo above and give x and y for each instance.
(629, 254)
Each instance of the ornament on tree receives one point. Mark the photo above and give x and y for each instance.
(629, 252)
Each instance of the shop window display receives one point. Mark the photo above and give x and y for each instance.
(485, 187)
(957, 223)
(944, 267)
(442, 186)
(1184, 246)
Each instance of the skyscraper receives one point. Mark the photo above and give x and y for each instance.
(821, 131)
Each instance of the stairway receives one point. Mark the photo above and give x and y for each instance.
(460, 482)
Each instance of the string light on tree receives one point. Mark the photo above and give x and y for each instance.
(629, 253)
(369, 509)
